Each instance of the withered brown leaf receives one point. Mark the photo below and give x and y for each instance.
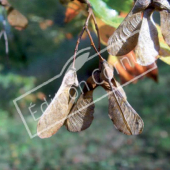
(81, 115)
(125, 38)
(165, 25)
(56, 113)
(148, 47)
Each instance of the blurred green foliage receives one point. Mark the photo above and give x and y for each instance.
(38, 54)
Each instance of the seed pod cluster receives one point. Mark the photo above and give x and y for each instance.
(124, 117)
(138, 32)
(78, 115)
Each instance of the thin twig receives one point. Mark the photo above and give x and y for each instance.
(79, 39)
(90, 11)
(98, 33)
(77, 45)
(95, 22)
(93, 45)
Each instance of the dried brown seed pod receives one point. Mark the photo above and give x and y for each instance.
(56, 113)
(125, 38)
(107, 71)
(124, 117)
(165, 25)
(81, 115)
(121, 113)
(161, 5)
(119, 87)
(148, 47)
(107, 75)
(141, 5)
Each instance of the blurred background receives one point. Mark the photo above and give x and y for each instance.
(39, 53)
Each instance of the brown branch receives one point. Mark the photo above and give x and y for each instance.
(79, 39)
(93, 45)
(98, 33)
(95, 22)
(90, 11)
(77, 45)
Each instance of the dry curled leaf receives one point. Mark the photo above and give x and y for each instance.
(81, 115)
(124, 117)
(148, 47)
(56, 113)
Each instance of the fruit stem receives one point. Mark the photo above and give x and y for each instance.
(85, 28)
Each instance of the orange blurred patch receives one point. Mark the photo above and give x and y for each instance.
(69, 36)
(41, 96)
(45, 24)
(128, 69)
(123, 14)
(73, 10)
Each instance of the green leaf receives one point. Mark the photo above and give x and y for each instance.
(105, 13)
(120, 5)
